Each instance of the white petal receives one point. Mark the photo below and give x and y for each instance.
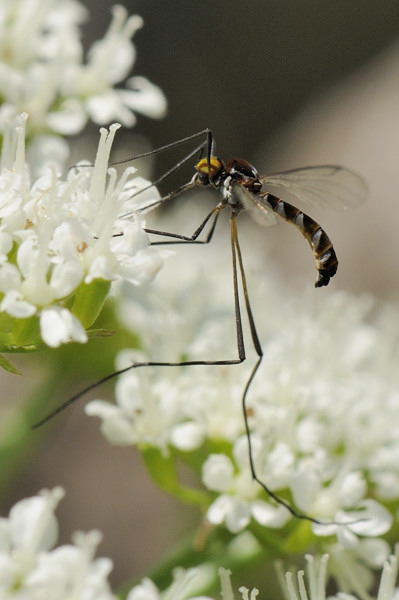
(305, 485)
(145, 97)
(115, 425)
(59, 326)
(352, 489)
(239, 516)
(217, 472)
(69, 119)
(374, 552)
(347, 538)
(100, 269)
(187, 436)
(33, 526)
(230, 509)
(142, 267)
(10, 201)
(372, 520)
(146, 590)
(66, 277)
(5, 245)
(28, 256)
(268, 515)
(219, 509)
(10, 278)
(106, 107)
(14, 304)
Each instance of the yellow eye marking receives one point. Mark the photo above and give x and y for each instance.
(211, 169)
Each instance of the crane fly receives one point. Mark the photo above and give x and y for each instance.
(242, 189)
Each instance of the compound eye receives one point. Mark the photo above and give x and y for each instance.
(202, 178)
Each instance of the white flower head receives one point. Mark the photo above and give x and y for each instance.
(353, 581)
(30, 565)
(322, 409)
(59, 237)
(184, 584)
(43, 72)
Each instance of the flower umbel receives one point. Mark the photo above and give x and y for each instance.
(30, 566)
(59, 254)
(351, 588)
(323, 378)
(42, 72)
(180, 588)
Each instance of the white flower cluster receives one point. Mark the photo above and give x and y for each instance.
(43, 73)
(30, 566)
(324, 410)
(58, 235)
(180, 588)
(352, 585)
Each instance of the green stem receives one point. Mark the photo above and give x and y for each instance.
(163, 470)
(18, 441)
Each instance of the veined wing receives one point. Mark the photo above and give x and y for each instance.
(322, 186)
(259, 209)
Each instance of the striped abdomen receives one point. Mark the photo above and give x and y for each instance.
(323, 251)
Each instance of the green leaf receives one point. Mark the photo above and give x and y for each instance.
(8, 366)
(89, 300)
(163, 470)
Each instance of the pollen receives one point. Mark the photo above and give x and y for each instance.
(81, 247)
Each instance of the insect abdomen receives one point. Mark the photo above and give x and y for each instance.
(323, 251)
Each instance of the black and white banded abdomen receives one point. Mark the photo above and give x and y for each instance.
(323, 251)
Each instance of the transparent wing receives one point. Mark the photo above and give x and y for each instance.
(323, 186)
(259, 209)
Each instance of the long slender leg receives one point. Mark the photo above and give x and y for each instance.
(235, 253)
(173, 194)
(258, 349)
(182, 239)
(234, 361)
(207, 144)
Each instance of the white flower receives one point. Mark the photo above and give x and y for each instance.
(30, 566)
(369, 519)
(145, 415)
(59, 326)
(183, 582)
(42, 71)
(352, 579)
(322, 409)
(58, 235)
(238, 501)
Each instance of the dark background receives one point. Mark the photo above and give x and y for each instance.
(242, 68)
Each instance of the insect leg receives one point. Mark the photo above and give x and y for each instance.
(207, 144)
(207, 132)
(182, 239)
(258, 349)
(235, 361)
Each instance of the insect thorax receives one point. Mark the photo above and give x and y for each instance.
(214, 171)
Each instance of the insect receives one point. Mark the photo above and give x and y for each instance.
(241, 188)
